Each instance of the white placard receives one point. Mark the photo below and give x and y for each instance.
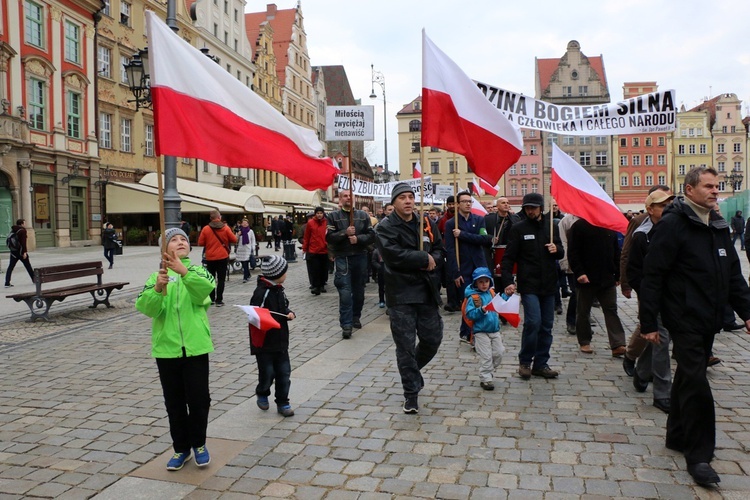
(350, 123)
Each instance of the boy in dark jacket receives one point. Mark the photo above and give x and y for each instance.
(273, 355)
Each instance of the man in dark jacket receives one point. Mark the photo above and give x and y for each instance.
(594, 258)
(738, 229)
(472, 238)
(411, 289)
(22, 253)
(529, 247)
(690, 273)
(349, 241)
(498, 226)
(653, 363)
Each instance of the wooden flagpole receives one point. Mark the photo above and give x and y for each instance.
(162, 219)
(421, 193)
(455, 207)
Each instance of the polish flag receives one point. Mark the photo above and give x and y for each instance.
(259, 321)
(477, 208)
(476, 187)
(417, 170)
(577, 193)
(508, 309)
(457, 117)
(202, 111)
(487, 187)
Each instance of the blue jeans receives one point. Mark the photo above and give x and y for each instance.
(274, 366)
(536, 338)
(350, 282)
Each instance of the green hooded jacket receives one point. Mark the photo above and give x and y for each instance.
(180, 323)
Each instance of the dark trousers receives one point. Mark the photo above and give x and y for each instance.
(409, 323)
(570, 314)
(218, 269)
(381, 284)
(12, 264)
(608, 299)
(274, 367)
(464, 330)
(692, 420)
(536, 336)
(350, 282)
(317, 269)
(245, 269)
(109, 254)
(184, 382)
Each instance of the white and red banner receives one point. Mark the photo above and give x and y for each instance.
(457, 117)
(508, 309)
(577, 193)
(654, 112)
(202, 111)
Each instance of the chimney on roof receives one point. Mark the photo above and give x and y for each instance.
(271, 10)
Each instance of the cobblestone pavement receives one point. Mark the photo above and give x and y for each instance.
(81, 411)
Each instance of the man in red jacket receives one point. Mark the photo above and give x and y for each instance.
(216, 239)
(315, 249)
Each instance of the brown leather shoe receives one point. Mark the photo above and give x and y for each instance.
(713, 360)
(587, 349)
(524, 371)
(618, 352)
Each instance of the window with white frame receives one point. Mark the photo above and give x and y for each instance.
(513, 190)
(702, 149)
(720, 148)
(205, 166)
(126, 128)
(623, 142)
(662, 179)
(649, 180)
(104, 56)
(623, 180)
(584, 158)
(600, 140)
(524, 189)
(681, 169)
(37, 109)
(125, 9)
(73, 112)
(691, 149)
(532, 133)
(34, 24)
(737, 166)
(148, 135)
(636, 142)
(691, 132)
(523, 168)
(737, 147)
(534, 168)
(623, 160)
(601, 158)
(415, 147)
(105, 130)
(187, 161)
(720, 166)
(585, 140)
(661, 159)
(569, 140)
(452, 166)
(583, 90)
(602, 183)
(636, 180)
(435, 167)
(636, 160)
(72, 42)
(124, 61)
(551, 139)
(648, 142)
(681, 149)
(513, 170)
(660, 141)
(532, 150)
(567, 91)
(649, 159)
(534, 187)
(107, 10)
(722, 185)
(724, 129)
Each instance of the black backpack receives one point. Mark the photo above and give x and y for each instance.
(12, 242)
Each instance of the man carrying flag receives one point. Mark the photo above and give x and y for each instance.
(529, 247)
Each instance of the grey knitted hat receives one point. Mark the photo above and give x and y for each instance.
(172, 232)
(273, 267)
(400, 188)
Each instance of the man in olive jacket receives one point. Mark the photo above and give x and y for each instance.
(411, 289)
(690, 273)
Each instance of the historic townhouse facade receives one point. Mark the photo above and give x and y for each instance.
(48, 146)
(692, 145)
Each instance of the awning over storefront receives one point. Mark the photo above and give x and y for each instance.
(246, 202)
(129, 198)
(281, 196)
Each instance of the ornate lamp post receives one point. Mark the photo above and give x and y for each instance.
(735, 177)
(377, 77)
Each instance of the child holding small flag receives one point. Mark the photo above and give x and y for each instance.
(486, 325)
(176, 298)
(271, 347)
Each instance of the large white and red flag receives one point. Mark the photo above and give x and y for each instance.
(487, 187)
(507, 308)
(417, 170)
(259, 321)
(457, 117)
(202, 111)
(577, 193)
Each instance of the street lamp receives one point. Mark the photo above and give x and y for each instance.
(377, 77)
(735, 177)
(138, 79)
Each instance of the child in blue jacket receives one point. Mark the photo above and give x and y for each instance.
(487, 340)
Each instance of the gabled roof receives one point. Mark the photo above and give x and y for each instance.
(338, 90)
(413, 107)
(710, 106)
(546, 67)
(282, 22)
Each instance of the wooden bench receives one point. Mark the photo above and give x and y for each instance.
(40, 301)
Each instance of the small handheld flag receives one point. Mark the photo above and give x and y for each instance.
(507, 307)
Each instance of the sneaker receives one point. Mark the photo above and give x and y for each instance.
(346, 332)
(285, 410)
(464, 340)
(262, 402)
(524, 371)
(8, 285)
(244, 281)
(356, 323)
(220, 304)
(177, 461)
(202, 458)
(411, 404)
(545, 372)
(381, 305)
(487, 386)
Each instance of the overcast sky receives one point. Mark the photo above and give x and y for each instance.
(698, 48)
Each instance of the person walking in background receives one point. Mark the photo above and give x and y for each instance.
(738, 229)
(109, 240)
(245, 248)
(315, 248)
(176, 299)
(217, 238)
(272, 350)
(18, 251)
(269, 232)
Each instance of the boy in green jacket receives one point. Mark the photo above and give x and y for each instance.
(180, 342)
